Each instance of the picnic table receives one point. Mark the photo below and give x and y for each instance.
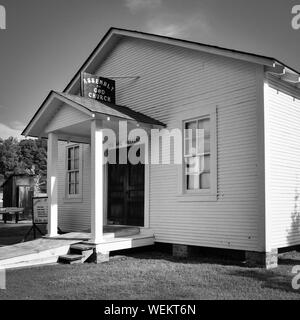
(11, 211)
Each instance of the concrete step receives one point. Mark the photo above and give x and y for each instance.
(71, 258)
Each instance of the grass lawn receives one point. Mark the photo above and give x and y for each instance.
(152, 275)
(148, 275)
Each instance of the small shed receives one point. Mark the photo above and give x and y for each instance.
(18, 191)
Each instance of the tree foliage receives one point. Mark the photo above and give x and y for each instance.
(21, 157)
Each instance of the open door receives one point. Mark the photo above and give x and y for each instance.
(126, 194)
(24, 199)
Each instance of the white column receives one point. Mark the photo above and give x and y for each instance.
(52, 184)
(97, 181)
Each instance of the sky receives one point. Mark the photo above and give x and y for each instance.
(47, 41)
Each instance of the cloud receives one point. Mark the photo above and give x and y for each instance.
(175, 25)
(17, 125)
(137, 5)
(165, 29)
(6, 132)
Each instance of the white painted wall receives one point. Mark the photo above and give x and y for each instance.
(1, 199)
(283, 162)
(174, 82)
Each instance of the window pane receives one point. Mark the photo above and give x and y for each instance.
(187, 144)
(193, 165)
(76, 164)
(205, 125)
(200, 141)
(192, 173)
(206, 164)
(70, 165)
(190, 138)
(71, 188)
(76, 155)
(205, 180)
(77, 177)
(193, 182)
(206, 146)
(73, 168)
(77, 188)
(191, 125)
(71, 153)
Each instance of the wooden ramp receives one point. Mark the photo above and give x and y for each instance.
(31, 253)
(52, 250)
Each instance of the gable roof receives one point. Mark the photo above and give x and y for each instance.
(113, 35)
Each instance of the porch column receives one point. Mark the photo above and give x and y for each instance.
(97, 181)
(52, 184)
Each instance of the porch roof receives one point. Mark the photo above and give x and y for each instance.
(111, 109)
(89, 107)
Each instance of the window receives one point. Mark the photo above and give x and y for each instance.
(197, 154)
(73, 171)
(198, 172)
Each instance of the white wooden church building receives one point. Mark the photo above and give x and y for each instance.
(248, 196)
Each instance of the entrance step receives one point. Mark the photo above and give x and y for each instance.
(71, 258)
(79, 253)
(81, 247)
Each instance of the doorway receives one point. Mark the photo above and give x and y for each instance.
(126, 194)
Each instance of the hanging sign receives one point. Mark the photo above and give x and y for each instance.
(40, 210)
(98, 88)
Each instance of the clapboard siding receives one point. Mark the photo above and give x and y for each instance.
(283, 162)
(174, 81)
(74, 216)
(65, 117)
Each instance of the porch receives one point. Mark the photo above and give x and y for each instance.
(51, 250)
(78, 120)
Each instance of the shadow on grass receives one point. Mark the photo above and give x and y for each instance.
(289, 262)
(150, 253)
(277, 279)
(269, 279)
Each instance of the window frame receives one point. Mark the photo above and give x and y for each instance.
(200, 194)
(198, 154)
(73, 197)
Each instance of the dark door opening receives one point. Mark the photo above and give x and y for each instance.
(126, 192)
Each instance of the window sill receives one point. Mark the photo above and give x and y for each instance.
(189, 197)
(75, 200)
